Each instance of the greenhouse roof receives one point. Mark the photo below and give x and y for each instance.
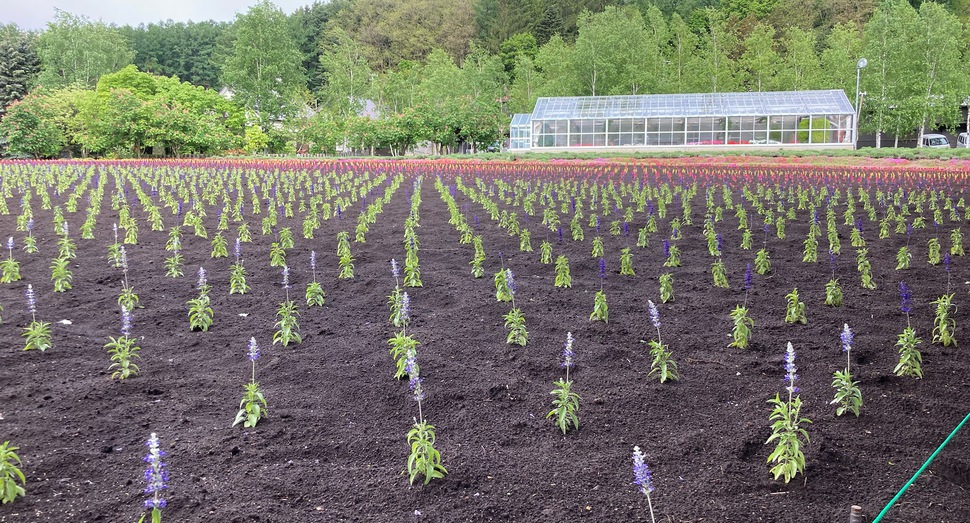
(521, 118)
(700, 104)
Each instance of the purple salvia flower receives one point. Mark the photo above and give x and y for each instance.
(30, 224)
(475, 219)
(237, 248)
(416, 389)
(654, 314)
(832, 260)
(846, 338)
(858, 225)
(286, 277)
(790, 369)
(905, 296)
(339, 214)
(202, 280)
(10, 243)
(626, 229)
(946, 262)
(510, 281)
(125, 321)
(253, 351)
(720, 241)
(313, 260)
(395, 271)
(156, 476)
(123, 254)
(31, 299)
(602, 268)
(666, 245)
(597, 224)
(559, 234)
(747, 277)
(909, 229)
(642, 477)
(567, 352)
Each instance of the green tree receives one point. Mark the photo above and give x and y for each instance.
(610, 52)
(553, 61)
(28, 128)
(263, 66)
(519, 44)
(680, 52)
(941, 79)
(497, 21)
(713, 64)
(307, 25)
(843, 48)
(523, 91)
(182, 49)
(757, 64)
(346, 76)
(888, 38)
(19, 65)
(76, 51)
(800, 69)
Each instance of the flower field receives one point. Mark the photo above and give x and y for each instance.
(642, 265)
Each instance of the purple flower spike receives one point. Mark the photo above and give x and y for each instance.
(946, 262)
(395, 271)
(559, 234)
(237, 248)
(642, 477)
(905, 296)
(654, 314)
(253, 351)
(10, 243)
(286, 277)
(747, 277)
(602, 269)
(846, 338)
(31, 300)
(155, 475)
(313, 260)
(666, 245)
(567, 352)
(790, 376)
(510, 281)
(720, 241)
(405, 308)
(30, 224)
(125, 321)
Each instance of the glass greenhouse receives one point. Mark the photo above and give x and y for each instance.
(802, 119)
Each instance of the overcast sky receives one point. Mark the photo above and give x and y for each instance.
(34, 14)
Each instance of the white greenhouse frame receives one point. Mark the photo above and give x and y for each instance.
(783, 119)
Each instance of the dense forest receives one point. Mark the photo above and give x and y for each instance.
(367, 74)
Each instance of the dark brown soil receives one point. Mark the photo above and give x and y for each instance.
(333, 447)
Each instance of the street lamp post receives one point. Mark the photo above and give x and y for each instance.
(860, 65)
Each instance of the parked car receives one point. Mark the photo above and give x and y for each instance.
(936, 141)
(963, 140)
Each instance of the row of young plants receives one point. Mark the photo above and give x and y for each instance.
(787, 424)
(343, 250)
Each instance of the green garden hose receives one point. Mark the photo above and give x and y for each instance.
(920, 471)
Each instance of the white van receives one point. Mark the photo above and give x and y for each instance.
(963, 140)
(936, 141)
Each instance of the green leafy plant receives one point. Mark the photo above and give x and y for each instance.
(10, 473)
(597, 247)
(865, 269)
(848, 397)
(956, 242)
(933, 252)
(502, 292)
(287, 328)
(910, 360)
(833, 293)
(545, 252)
(673, 255)
(200, 311)
(252, 408)
(9, 268)
(123, 350)
(666, 287)
(515, 323)
(563, 279)
(277, 255)
(173, 264)
(786, 427)
(479, 257)
(662, 367)
(424, 459)
(601, 311)
(794, 309)
(762, 262)
(626, 262)
(720, 275)
(220, 247)
(903, 257)
(61, 274)
(565, 402)
(37, 333)
(314, 291)
(741, 333)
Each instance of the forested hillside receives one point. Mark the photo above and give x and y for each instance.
(451, 72)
